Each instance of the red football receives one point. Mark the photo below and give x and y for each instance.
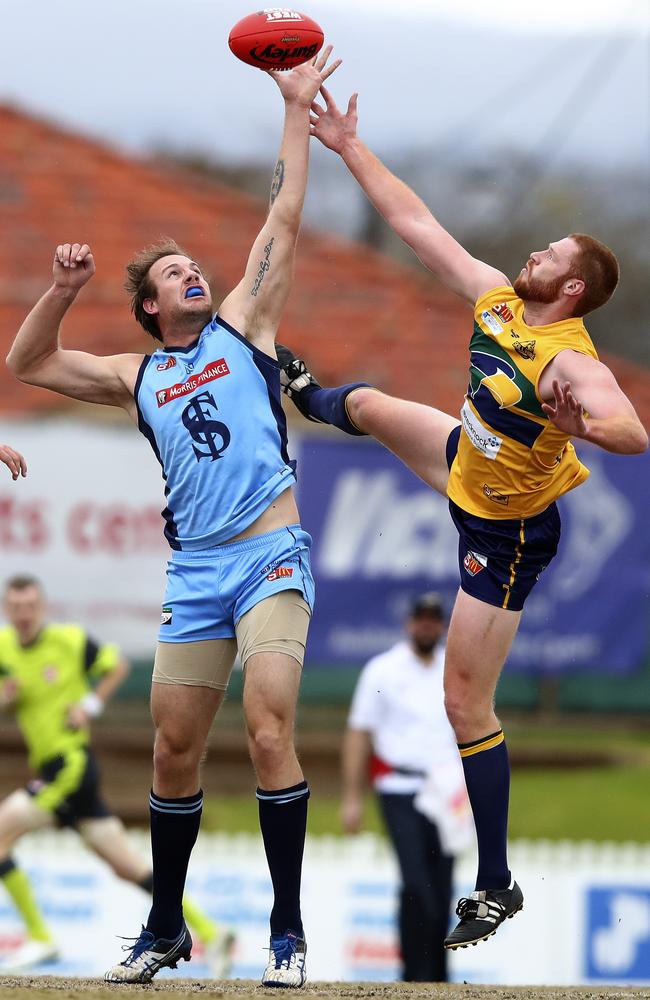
(275, 38)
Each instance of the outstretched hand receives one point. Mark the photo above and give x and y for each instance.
(73, 266)
(332, 127)
(300, 85)
(566, 412)
(14, 461)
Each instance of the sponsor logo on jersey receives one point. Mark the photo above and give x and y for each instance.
(280, 573)
(474, 563)
(212, 371)
(526, 348)
(485, 441)
(166, 616)
(50, 673)
(166, 365)
(495, 495)
(504, 312)
(491, 323)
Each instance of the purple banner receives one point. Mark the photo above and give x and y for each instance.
(381, 536)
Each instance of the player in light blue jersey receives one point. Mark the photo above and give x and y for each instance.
(208, 401)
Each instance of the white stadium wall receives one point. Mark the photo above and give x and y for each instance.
(586, 916)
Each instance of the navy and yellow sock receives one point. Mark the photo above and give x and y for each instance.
(487, 776)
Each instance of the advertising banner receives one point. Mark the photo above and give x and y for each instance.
(87, 522)
(586, 917)
(381, 536)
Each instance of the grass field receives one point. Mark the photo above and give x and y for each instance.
(51, 988)
(601, 804)
(607, 802)
(593, 784)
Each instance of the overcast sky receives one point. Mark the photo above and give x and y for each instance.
(567, 79)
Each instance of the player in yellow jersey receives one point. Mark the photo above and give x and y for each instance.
(56, 680)
(535, 383)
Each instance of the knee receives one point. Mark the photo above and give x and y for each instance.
(467, 709)
(19, 814)
(455, 709)
(175, 753)
(269, 742)
(357, 404)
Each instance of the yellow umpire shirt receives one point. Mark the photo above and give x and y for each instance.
(52, 673)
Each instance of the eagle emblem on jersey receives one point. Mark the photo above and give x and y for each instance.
(504, 312)
(526, 348)
(497, 375)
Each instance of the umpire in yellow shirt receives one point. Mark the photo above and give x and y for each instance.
(57, 679)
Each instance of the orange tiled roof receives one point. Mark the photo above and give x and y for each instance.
(354, 313)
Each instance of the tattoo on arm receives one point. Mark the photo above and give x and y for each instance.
(263, 268)
(276, 183)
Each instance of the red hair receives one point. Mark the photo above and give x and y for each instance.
(597, 266)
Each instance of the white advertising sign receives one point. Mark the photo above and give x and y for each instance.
(87, 522)
(586, 916)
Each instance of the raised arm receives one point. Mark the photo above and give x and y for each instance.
(583, 399)
(400, 206)
(36, 356)
(255, 306)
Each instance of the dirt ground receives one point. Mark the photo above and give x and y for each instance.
(56, 988)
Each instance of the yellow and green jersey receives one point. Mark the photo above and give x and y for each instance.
(52, 673)
(512, 462)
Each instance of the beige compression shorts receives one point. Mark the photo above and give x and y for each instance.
(278, 624)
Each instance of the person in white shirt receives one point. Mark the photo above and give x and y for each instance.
(398, 734)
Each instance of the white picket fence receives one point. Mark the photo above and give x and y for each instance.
(586, 917)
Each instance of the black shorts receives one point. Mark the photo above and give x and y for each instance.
(500, 561)
(68, 787)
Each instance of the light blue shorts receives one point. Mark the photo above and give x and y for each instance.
(208, 591)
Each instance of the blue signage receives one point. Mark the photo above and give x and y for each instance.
(618, 934)
(381, 536)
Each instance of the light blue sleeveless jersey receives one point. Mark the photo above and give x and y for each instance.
(212, 414)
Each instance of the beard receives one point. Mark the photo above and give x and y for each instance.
(424, 646)
(531, 289)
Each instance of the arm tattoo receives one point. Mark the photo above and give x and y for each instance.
(263, 268)
(276, 183)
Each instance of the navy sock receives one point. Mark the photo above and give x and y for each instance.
(487, 776)
(328, 405)
(174, 829)
(283, 821)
